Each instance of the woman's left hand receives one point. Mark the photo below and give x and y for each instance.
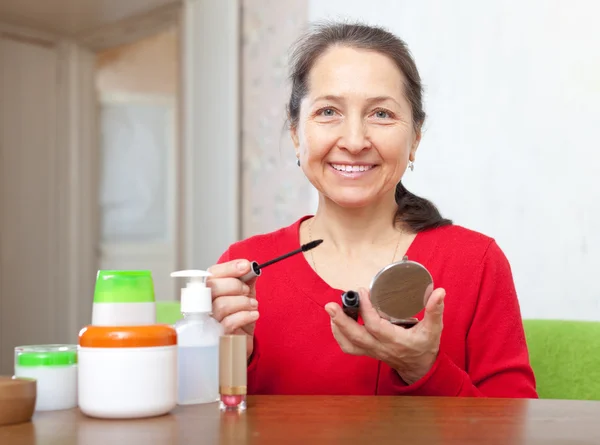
(411, 352)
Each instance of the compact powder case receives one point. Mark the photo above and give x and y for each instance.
(400, 291)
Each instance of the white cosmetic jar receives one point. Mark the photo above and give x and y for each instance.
(54, 367)
(127, 372)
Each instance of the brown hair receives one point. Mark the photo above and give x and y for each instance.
(418, 213)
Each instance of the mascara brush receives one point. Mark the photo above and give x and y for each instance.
(256, 269)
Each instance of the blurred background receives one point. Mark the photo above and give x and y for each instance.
(150, 134)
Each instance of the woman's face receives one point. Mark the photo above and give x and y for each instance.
(355, 132)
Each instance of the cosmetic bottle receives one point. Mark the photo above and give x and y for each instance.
(198, 336)
(232, 373)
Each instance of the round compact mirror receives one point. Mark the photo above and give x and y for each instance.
(400, 291)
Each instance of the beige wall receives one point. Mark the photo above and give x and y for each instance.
(146, 66)
(275, 192)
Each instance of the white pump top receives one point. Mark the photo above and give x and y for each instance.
(196, 296)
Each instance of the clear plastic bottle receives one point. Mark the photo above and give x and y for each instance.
(198, 336)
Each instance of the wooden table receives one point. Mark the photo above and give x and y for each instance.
(330, 420)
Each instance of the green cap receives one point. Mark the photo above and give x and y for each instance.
(46, 355)
(124, 286)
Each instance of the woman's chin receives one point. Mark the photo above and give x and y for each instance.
(353, 202)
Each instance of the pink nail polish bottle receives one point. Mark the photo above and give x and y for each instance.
(232, 373)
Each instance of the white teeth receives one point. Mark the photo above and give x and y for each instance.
(351, 168)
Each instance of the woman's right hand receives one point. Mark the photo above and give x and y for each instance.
(234, 302)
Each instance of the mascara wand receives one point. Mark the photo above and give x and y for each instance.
(256, 269)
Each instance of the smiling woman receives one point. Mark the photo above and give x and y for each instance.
(355, 116)
(356, 122)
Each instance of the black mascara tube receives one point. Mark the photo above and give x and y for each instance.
(350, 304)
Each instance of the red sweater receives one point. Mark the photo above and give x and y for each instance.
(482, 352)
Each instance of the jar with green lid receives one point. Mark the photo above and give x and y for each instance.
(54, 367)
(124, 298)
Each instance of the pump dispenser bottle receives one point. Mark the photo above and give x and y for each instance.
(198, 336)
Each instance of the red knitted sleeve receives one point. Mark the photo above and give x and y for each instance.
(497, 356)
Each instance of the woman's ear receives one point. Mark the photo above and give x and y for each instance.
(415, 145)
(294, 135)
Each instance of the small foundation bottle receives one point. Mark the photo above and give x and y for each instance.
(232, 373)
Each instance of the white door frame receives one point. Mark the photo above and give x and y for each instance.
(79, 184)
(211, 103)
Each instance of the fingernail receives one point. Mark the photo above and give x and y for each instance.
(241, 265)
(254, 314)
(253, 303)
(330, 311)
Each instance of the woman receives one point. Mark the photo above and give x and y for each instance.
(356, 115)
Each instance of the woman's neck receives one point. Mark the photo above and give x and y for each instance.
(350, 231)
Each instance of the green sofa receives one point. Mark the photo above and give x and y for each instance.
(565, 355)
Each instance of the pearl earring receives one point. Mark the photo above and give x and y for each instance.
(298, 162)
(411, 165)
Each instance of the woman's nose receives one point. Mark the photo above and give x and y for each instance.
(354, 137)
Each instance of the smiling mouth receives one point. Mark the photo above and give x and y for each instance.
(353, 168)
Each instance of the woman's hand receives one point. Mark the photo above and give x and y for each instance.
(411, 352)
(234, 302)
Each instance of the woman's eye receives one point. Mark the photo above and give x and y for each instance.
(382, 114)
(328, 112)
